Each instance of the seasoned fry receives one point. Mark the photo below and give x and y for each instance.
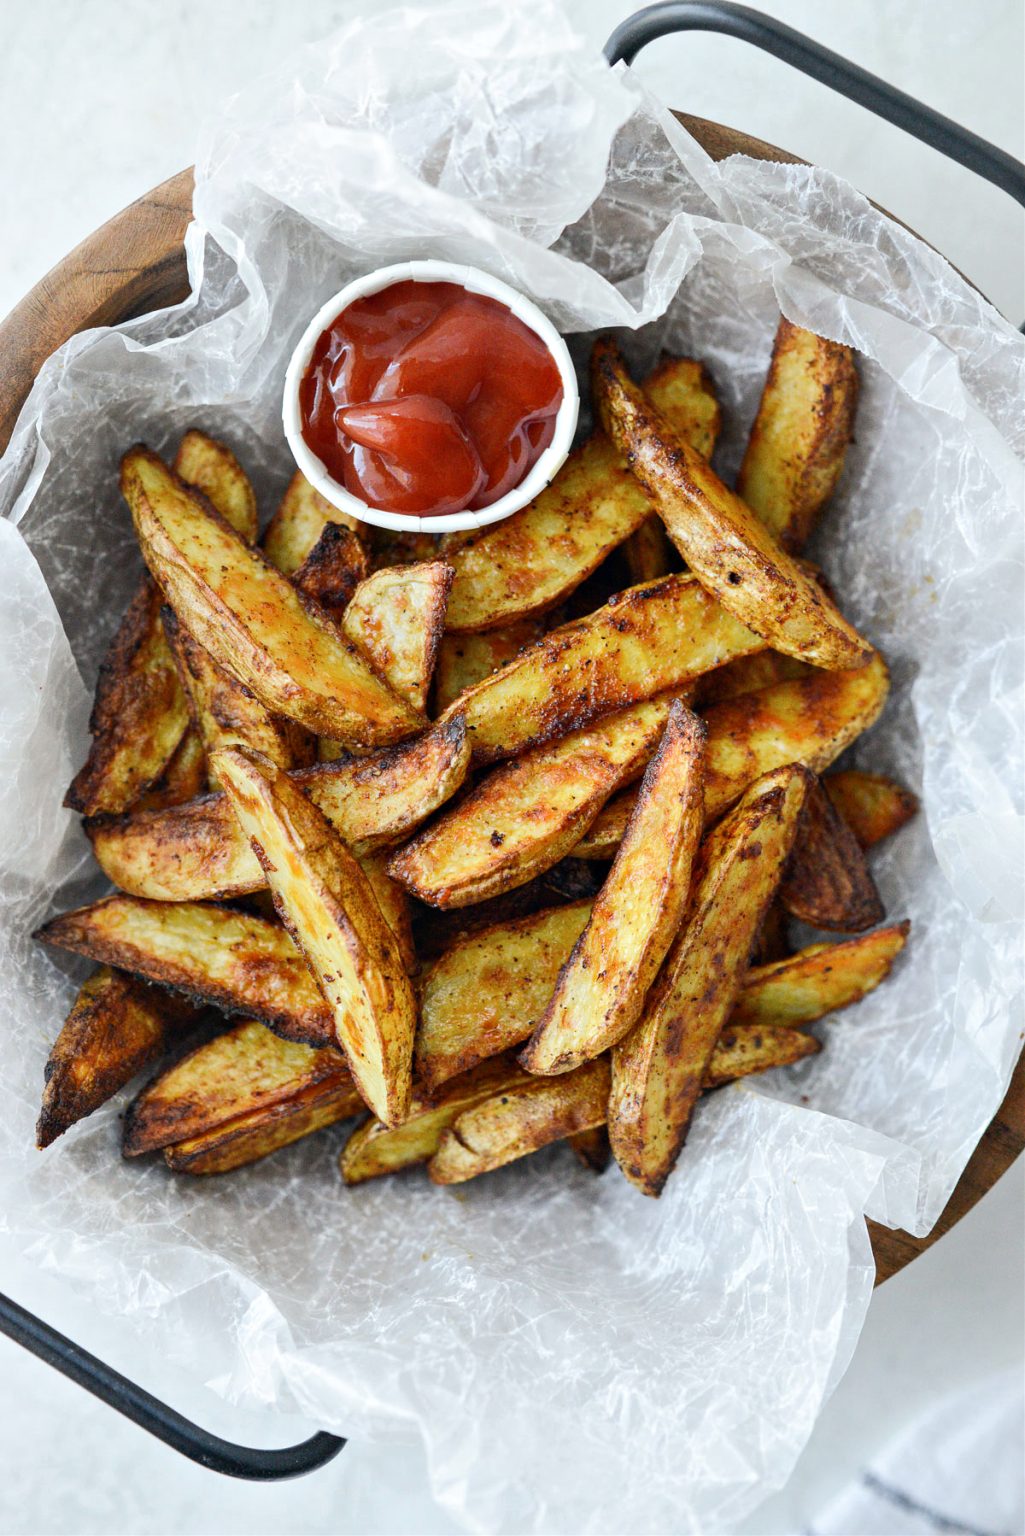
(117, 1026)
(805, 420)
(212, 468)
(525, 815)
(466, 659)
(264, 1131)
(197, 851)
(641, 643)
(251, 619)
(592, 1148)
(657, 1071)
(649, 555)
(872, 806)
(328, 904)
(744, 1049)
(396, 618)
(827, 883)
(749, 674)
(374, 1149)
(818, 980)
(183, 778)
(238, 962)
(719, 537)
(247, 1068)
(524, 565)
(333, 570)
(298, 523)
(602, 987)
(394, 905)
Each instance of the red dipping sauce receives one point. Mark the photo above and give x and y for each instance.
(427, 399)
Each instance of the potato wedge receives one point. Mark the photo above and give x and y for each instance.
(245, 1069)
(374, 1149)
(524, 565)
(749, 674)
(805, 420)
(743, 1050)
(514, 1124)
(649, 555)
(721, 539)
(827, 883)
(251, 619)
(183, 778)
(117, 1026)
(394, 905)
(601, 989)
(818, 980)
(263, 1131)
(467, 659)
(592, 1148)
(810, 720)
(298, 523)
(211, 467)
(641, 643)
(872, 806)
(197, 851)
(396, 619)
(394, 546)
(525, 815)
(231, 959)
(333, 569)
(328, 905)
(657, 1071)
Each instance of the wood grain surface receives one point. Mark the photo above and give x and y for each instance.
(136, 263)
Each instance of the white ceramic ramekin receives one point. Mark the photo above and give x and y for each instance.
(471, 278)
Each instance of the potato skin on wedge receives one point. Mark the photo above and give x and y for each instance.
(328, 905)
(469, 658)
(827, 883)
(256, 1135)
(818, 980)
(212, 468)
(298, 523)
(873, 807)
(333, 570)
(198, 851)
(602, 986)
(743, 1050)
(658, 1070)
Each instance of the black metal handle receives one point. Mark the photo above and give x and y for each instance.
(156, 1417)
(822, 64)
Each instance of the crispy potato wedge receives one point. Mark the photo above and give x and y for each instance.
(216, 955)
(253, 621)
(818, 980)
(827, 883)
(592, 1148)
(467, 659)
(805, 420)
(197, 851)
(641, 643)
(601, 989)
(225, 712)
(721, 539)
(393, 546)
(657, 1071)
(748, 674)
(183, 778)
(810, 720)
(139, 714)
(396, 619)
(263, 1131)
(649, 555)
(514, 1124)
(744, 1049)
(117, 1026)
(328, 905)
(523, 566)
(773, 941)
(247, 1068)
(298, 523)
(374, 1149)
(526, 814)
(212, 468)
(394, 905)
(333, 569)
(872, 806)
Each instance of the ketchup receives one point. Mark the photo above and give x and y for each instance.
(428, 399)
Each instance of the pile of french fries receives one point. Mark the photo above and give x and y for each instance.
(496, 837)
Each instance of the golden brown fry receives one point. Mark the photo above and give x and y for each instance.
(396, 619)
(299, 522)
(602, 987)
(643, 642)
(818, 980)
(231, 959)
(649, 554)
(524, 816)
(719, 537)
(329, 906)
(749, 674)
(264, 1131)
(333, 570)
(872, 806)
(247, 1068)
(744, 1049)
(374, 1149)
(212, 468)
(466, 659)
(183, 778)
(827, 883)
(394, 905)
(251, 619)
(657, 1071)
(197, 851)
(805, 420)
(117, 1026)
(592, 1148)
(523, 566)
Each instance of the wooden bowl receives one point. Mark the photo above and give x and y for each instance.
(136, 263)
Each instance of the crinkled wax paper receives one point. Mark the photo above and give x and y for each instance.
(575, 1357)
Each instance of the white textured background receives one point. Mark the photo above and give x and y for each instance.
(99, 100)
